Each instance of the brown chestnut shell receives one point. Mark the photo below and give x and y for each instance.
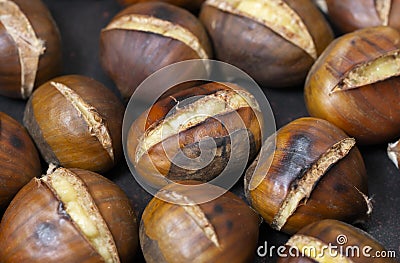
(259, 51)
(339, 191)
(36, 227)
(76, 122)
(159, 162)
(224, 229)
(129, 55)
(369, 112)
(350, 15)
(192, 5)
(49, 62)
(19, 159)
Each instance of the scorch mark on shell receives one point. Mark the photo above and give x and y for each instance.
(304, 186)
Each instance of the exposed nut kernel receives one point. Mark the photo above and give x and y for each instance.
(381, 68)
(383, 9)
(80, 206)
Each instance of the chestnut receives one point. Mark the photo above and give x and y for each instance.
(30, 47)
(355, 85)
(314, 172)
(176, 228)
(192, 5)
(19, 159)
(193, 133)
(146, 37)
(76, 122)
(69, 215)
(350, 15)
(394, 152)
(275, 42)
(334, 241)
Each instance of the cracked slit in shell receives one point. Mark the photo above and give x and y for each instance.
(29, 46)
(302, 188)
(80, 207)
(274, 14)
(193, 210)
(184, 118)
(94, 120)
(382, 8)
(380, 69)
(315, 249)
(161, 27)
(394, 152)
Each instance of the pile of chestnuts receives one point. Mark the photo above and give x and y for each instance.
(308, 180)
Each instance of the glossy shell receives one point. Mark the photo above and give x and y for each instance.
(169, 233)
(130, 56)
(49, 62)
(161, 161)
(61, 133)
(369, 113)
(35, 226)
(256, 49)
(19, 159)
(299, 145)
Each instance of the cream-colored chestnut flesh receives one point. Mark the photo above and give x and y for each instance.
(29, 46)
(381, 68)
(274, 14)
(165, 28)
(383, 9)
(394, 152)
(81, 208)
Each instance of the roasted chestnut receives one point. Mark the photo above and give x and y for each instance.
(146, 37)
(76, 122)
(193, 134)
(19, 159)
(176, 228)
(314, 172)
(350, 15)
(30, 47)
(192, 5)
(334, 241)
(394, 152)
(355, 84)
(69, 216)
(275, 42)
